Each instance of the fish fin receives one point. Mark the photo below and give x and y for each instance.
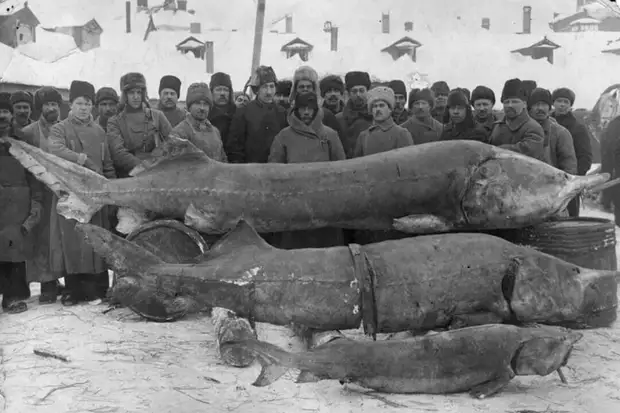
(422, 224)
(173, 148)
(74, 184)
(491, 387)
(306, 376)
(274, 361)
(122, 255)
(243, 235)
(204, 219)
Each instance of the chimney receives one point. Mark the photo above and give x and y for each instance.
(169, 5)
(527, 20)
(209, 57)
(128, 16)
(385, 23)
(143, 4)
(195, 28)
(486, 23)
(289, 23)
(580, 4)
(334, 39)
(408, 26)
(182, 5)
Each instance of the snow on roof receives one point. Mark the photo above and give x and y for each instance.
(9, 7)
(6, 56)
(585, 20)
(49, 47)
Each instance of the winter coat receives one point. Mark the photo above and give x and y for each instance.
(610, 140)
(352, 123)
(466, 130)
(401, 117)
(382, 138)
(38, 269)
(487, 126)
(203, 135)
(252, 131)
(523, 135)
(438, 114)
(581, 140)
(423, 132)
(20, 206)
(175, 115)
(133, 135)
(68, 140)
(330, 120)
(221, 117)
(301, 143)
(559, 149)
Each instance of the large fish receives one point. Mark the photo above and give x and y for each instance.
(417, 283)
(481, 360)
(437, 187)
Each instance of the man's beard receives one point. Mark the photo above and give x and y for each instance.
(4, 123)
(51, 116)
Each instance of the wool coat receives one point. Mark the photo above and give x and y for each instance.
(352, 123)
(203, 135)
(174, 115)
(581, 140)
(382, 138)
(221, 117)
(559, 149)
(522, 134)
(428, 130)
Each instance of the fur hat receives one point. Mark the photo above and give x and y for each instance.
(398, 86)
(197, 92)
(220, 79)
(5, 101)
(283, 87)
(304, 73)
(355, 78)
(106, 93)
(132, 80)
(513, 89)
(466, 92)
(539, 95)
(565, 93)
(307, 100)
(261, 76)
(528, 86)
(46, 94)
(22, 96)
(383, 93)
(170, 82)
(457, 98)
(482, 92)
(79, 89)
(331, 82)
(422, 94)
(440, 87)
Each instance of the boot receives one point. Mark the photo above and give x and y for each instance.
(49, 292)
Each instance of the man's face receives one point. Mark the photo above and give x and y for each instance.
(540, 111)
(562, 106)
(267, 92)
(281, 99)
(399, 104)
(381, 111)
(513, 107)
(22, 112)
(50, 111)
(441, 99)
(168, 98)
(333, 96)
(357, 95)
(5, 118)
(199, 110)
(107, 108)
(241, 101)
(421, 109)
(304, 86)
(483, 108)
(221, 95)
(457, 113)
(82, 107)
(306, 114)
(134, 97)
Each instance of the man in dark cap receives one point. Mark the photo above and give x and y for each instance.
(283, 92)
(22, 102)
(332, 92)
(483, 100)
(223, 108)
(563, 101)
(106, 101)
(517, 131)
(400, 113)
(355, 117)
(169, 92)
(441, 91)
(421, 125)
(458, 119)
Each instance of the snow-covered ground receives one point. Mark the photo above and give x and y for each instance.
(121, 363)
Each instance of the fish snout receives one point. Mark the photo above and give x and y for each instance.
(600, 298)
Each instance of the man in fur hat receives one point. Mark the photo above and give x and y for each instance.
(518, 131)
(283, 92)
(441, 91)
(483, 100)
(47, 101)
(400, 113)
(559, 149)
(355, 117)
(528, 87)
(196, 127)
(106, 101)
(459, 120)
(563, 101)
(253, 127)
(137, 129)
(22, 102)
(169, 92)
(421, 125)
(20, 203)
(332, 92)
(223, 109)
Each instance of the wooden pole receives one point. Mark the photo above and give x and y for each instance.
(258, 34)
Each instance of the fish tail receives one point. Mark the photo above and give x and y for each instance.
(274, 361)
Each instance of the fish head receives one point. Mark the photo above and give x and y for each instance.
(549, 290)
(544, 350)
(511, 190)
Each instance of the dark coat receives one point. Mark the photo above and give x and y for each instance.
(559, 149)
(523, 135)
(221, 117)
(174, 116)
(466, 130)
(581, 140)
(330, 120)
(352, 123)
(203, 135)
(487, 126)
(252, 131)
(423, 132)
(382, 138)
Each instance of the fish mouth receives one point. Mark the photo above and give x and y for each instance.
(599, 317)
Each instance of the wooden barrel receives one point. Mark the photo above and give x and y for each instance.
(587, 242)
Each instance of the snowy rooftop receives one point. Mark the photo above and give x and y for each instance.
(585, 20)
(50, 47)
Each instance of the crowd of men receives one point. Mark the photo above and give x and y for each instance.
(304, 120)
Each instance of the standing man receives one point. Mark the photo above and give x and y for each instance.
(169, 92)
(421, 125)
(517, 131)
(459, 119)
(355, 117)
(400, 113)
(22, 102)
(137, 129)
(223, 109)
(563, 101)
(441, 90)
(332, 92)
(283, 92)
(106, 100)
(483, 100)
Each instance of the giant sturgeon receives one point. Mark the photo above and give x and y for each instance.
(413, 284)
(436, 187)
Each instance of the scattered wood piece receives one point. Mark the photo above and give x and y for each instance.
(211, 379)
(375, 396)
(229, 327)
(50, 354)
(63, 387)
(562, 376)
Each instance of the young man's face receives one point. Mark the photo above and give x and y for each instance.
(381, 111)
(221, 95)
(399, 103)
(267, 92)
(22, 111)
(107, 108)
(457, 113)
(306, 114)
(483, 108)
(562, 106)
(304, 86)
(333, 96)
(540, 111)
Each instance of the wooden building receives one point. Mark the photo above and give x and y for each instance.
(298, 47)
(18, 26)
(540, 50)
(87, 36)
(403, 47)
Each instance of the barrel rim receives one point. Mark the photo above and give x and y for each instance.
(174, 224)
